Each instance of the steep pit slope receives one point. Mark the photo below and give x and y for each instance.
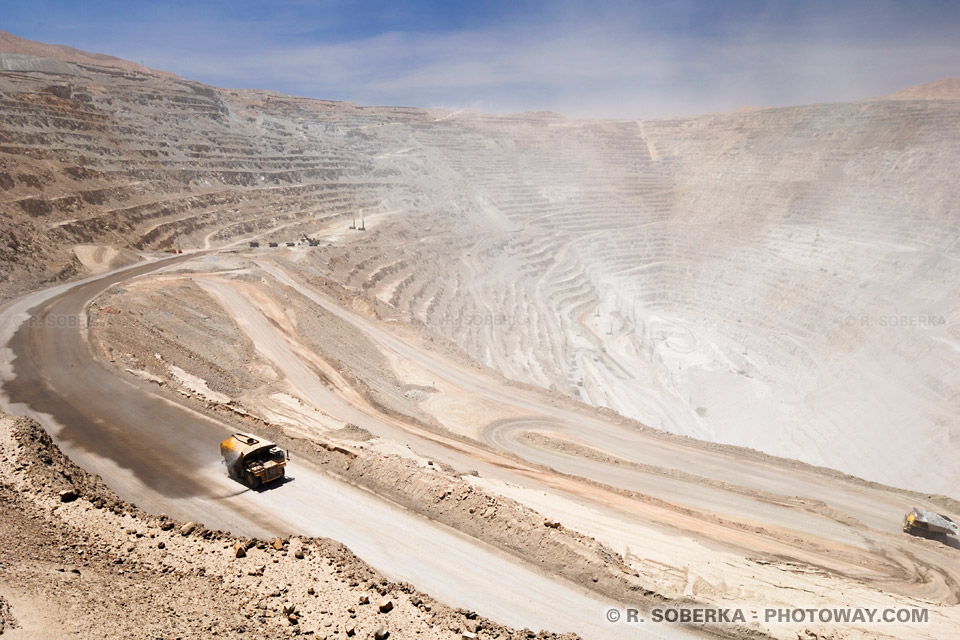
(784, 279)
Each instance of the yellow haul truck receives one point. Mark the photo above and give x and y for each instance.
(253, 460)
(928, 524)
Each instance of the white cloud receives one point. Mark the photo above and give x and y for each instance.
(602, 67)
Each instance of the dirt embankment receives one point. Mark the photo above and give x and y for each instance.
(442, 495)
(77, 561)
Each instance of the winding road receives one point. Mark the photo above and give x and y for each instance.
(164, 457)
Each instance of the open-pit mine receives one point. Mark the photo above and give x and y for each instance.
(531, 372)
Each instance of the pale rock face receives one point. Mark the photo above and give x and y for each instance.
(783, 279)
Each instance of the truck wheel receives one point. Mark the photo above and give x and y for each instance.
(253, 481)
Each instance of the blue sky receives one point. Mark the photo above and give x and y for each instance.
(601, 58)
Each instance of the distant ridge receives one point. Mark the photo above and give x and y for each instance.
(748, 108)
(946, 89)
(10, 43)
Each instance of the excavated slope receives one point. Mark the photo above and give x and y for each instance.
(784, 279)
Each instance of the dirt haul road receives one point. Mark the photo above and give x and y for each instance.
(164, 457)
(691, 518)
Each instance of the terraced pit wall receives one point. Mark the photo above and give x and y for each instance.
(784, 279)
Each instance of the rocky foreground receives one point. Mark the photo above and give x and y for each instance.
(76, 561)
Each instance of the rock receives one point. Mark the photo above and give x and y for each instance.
(364, 599)
(278, 544)
(310, 591)
(166, 526)
(350, 629)
(553, 524)
(188, 528)
(296, 548)
(68, 495)
(161, 545)
(469, 635)
(239, 550)
(381, 634)
(385, 605)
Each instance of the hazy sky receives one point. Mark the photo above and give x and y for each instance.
(600, 58)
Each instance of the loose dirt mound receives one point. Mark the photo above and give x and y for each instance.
(98, 258)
